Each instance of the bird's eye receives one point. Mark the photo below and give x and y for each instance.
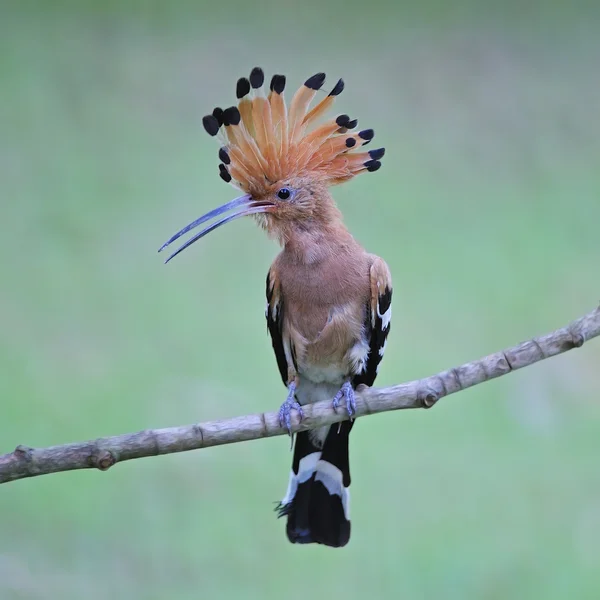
(284, 193)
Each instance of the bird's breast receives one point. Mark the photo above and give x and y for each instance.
(322, 348)
(324, 313)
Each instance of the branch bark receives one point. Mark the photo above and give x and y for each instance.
(103, 453)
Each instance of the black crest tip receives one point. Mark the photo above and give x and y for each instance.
(372, 165)
(211, 125)
(242, 88)
(352, 124)
(231, 116)
(366, 134)
(377, 153)
(224, 173)
(257, 77)
(315, 82)
(350, 142)
(218, 115)
(224, 156)
(342, 121)
(278, 84)
(338, 88)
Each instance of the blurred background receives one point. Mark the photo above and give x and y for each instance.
(486, 209)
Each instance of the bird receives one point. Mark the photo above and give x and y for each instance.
(328, 306)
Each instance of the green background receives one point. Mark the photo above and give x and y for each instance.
(486, 210)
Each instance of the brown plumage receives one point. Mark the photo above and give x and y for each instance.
(328, 300)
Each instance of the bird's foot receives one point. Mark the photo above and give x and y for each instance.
(285, 411)
(346, 391)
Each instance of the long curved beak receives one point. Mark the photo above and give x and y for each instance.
(244, 205)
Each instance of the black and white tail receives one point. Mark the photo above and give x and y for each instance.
(317, 502)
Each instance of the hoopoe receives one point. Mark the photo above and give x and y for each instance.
(328, 301)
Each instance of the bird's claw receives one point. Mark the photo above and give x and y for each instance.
(348, 391)
(285, 411)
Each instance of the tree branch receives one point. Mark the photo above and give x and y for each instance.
(423, 393)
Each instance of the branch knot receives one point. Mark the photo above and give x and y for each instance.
(23, 453)
(428, 397)
(102, 459)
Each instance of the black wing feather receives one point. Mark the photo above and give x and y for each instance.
(377, 337)
(274, 318)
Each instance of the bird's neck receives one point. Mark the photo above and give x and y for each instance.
(318, 242)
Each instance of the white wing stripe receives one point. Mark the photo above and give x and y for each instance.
(386, 317)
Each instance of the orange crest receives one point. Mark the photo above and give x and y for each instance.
(266, 142)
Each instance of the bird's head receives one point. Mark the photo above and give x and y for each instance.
(280, 159)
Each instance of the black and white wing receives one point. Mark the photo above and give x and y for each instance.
(274, 314)
(378, 320)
